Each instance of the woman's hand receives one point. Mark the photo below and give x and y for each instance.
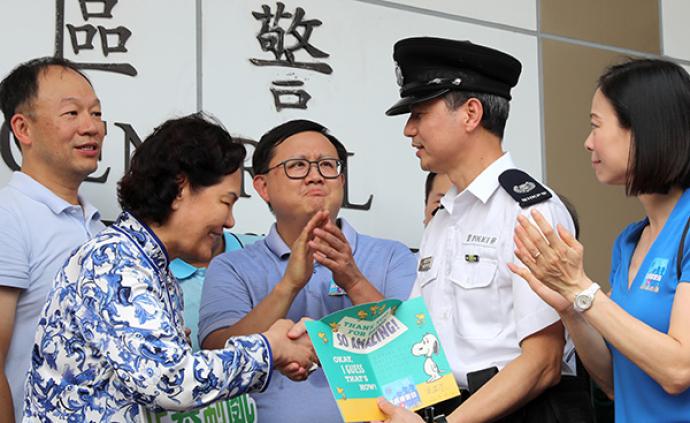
(555, 268)
(293, 353)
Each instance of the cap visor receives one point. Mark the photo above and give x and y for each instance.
(403, 105)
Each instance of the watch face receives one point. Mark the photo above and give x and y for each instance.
(583, 302)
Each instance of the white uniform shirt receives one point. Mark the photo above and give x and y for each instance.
(481, 310)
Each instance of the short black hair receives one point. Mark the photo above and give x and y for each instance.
(428, 185)
(196, 147)
(263, 153)
(651, 98)
(20, 86)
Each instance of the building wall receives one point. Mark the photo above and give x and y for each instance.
(195, 55)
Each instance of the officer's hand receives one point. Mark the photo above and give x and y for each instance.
(332, 250)
(291, 357)
(555, 259)
(397, 414)
(298, 332)
(301, 264)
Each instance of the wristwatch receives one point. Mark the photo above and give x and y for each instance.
(440, 419)
(583, 300)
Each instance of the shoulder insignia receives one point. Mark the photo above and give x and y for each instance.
(523, 188)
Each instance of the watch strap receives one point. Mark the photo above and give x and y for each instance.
(589, 292)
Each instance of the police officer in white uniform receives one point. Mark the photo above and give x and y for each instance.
(506, 347)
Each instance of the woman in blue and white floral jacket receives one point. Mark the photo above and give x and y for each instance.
(111, 338)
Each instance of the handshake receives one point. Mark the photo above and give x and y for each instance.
(293, 352)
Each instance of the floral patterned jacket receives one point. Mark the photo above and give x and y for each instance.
(111, 339)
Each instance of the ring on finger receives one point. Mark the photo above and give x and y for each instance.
(536, 255)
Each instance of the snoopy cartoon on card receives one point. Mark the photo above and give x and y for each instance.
(428, 347)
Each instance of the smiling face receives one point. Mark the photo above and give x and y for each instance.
(608, 142)
(434, 130)
(299, 199)
(198, 217)
(61, 130)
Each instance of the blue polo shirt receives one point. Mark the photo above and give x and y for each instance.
(237, 281)
(650, 299)
(191, 281)
(38, 231)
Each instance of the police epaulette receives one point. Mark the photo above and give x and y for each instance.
(523, 188)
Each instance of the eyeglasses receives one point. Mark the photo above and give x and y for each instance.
(299, 168)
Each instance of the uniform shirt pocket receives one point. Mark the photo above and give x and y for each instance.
(477, 310)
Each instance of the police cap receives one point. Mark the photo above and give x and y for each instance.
(427, 68)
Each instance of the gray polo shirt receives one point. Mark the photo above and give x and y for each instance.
(239, 280)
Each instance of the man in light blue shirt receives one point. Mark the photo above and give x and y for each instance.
(55, 117)
(310, 264)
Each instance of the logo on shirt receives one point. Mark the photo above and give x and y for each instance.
(525, 187)
(656, 272)
(334, 289)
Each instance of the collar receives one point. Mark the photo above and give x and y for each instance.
(483, 186)
(144, 238)
(183, 270)
(278, 247)
(38, 192)
(680, 212)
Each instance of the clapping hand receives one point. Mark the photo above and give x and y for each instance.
(553, 260)
(332, 250)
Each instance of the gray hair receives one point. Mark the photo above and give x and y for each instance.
(496, 109)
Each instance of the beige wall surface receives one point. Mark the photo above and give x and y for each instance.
(631, 24)
(570, 74)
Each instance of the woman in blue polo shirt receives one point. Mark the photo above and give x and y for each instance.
(636, 342)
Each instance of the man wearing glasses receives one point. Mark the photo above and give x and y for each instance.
(310, 264)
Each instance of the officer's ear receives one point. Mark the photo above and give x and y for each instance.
(474, 111)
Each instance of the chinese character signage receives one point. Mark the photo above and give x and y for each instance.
(282, 34)
(95, 14)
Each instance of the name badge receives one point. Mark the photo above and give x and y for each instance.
(334, 289)
(425, 264)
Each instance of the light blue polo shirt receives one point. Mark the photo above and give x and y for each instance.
(237, 281)
(191, 281)
(650, 299)
(38, 231)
